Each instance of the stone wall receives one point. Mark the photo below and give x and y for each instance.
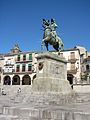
(81, 88)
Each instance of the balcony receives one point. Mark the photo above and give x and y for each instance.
(8, 71)
(72, 71)
(23, 72)
(72, 60)
(9, 64)
(23, 61)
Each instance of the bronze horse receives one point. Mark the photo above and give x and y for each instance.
(50, 36)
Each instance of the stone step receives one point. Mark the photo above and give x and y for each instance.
(40, 106)
(8, 117)
(43, 114)
(38, 98)
(83, 97)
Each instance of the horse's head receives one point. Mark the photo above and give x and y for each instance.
(46, 24)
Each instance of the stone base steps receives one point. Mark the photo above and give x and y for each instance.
(8, 117)
(43, 113)
(32, 108)
(44, 106)
(37, 98)
(83, 97)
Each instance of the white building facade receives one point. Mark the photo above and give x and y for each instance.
(73, 63)
(19, 68)
(1, 67)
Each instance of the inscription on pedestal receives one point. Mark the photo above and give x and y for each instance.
(57, 70)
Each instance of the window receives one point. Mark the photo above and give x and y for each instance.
(82, 68)
(87, 67)
(23, 67)
(72, 66)
(72, 55)
(29, 67)
(24, 57)
(30, 56)
(18, 58)
(18, 68)
(6, 62)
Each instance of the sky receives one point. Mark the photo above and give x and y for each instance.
(21, 23)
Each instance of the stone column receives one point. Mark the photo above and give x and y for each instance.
(11, 80)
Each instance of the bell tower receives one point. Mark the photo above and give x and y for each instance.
(15, 49)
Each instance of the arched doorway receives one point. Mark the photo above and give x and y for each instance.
(70, 79)
(7, 80)
(16, 80)
(26, 80)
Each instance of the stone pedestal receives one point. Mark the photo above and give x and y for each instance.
(51, 74)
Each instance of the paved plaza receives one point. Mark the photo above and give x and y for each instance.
(20, 107)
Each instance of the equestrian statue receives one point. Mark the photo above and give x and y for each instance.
(50, 35)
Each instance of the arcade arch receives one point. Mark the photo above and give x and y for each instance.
(7, 80)
(16, 80)
(26, 80)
